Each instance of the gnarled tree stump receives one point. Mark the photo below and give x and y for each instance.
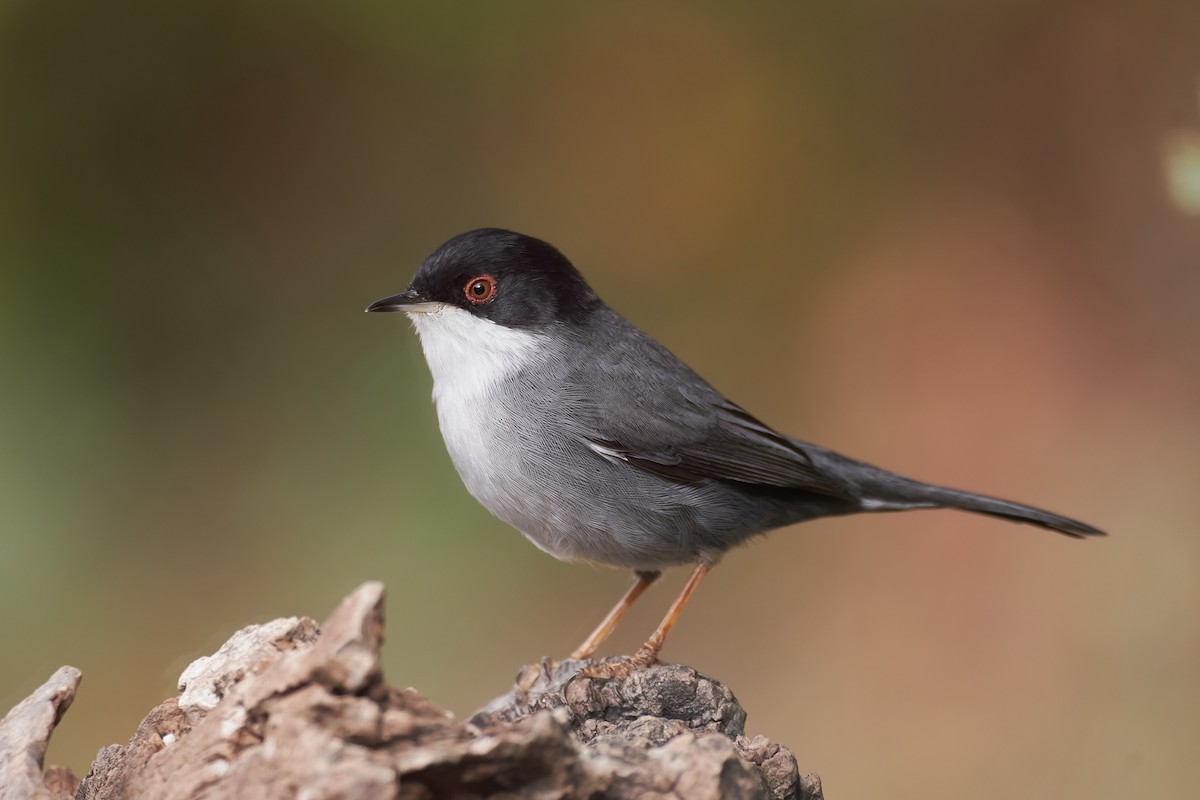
(292, 709)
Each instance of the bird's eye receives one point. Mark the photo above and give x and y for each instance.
(481, 289)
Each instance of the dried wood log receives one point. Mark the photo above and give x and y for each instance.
(25, 733)
(287, 709)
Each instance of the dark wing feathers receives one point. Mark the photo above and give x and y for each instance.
(674, 423)
(721, 441)
(734, 446)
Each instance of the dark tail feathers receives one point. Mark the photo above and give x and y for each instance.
(982, 504)
(878, 489)
(881, 490)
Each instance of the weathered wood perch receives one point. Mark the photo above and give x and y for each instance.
(290, 709)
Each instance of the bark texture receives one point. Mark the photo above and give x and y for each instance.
(25, 733)
(290, 709)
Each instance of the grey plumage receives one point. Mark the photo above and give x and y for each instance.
(592, 439)
(597, 443)
(690, 474)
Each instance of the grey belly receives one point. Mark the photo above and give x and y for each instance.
(579, 506)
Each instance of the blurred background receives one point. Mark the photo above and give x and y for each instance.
(963, 243)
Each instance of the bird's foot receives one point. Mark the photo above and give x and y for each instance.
(621, 667)
(529, 676)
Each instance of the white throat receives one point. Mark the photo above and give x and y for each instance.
(469, 356)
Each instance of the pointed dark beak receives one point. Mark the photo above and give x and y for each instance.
(397, 302)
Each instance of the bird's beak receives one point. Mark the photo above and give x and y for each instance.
(408, 300)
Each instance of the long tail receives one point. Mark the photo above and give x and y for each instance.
(994, 506)
(880, 490)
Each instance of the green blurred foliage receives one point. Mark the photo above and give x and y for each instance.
(936, 236)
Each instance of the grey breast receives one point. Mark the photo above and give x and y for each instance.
(541, 465)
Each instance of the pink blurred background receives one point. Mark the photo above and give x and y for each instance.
(963, 243)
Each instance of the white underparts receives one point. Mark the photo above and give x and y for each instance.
(468, 355)
(471, 359)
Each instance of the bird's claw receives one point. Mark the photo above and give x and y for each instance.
(529, 675)
(621, 667)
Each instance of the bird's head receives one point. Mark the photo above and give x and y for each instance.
(503, 277)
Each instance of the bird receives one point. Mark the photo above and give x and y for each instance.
(592, 439)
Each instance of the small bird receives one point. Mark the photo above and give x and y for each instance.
(598, 444)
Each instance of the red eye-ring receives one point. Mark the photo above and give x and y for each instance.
(480, 289)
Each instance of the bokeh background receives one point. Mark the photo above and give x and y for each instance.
(958, 240)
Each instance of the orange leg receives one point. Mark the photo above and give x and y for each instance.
(609, 624)
(648, 654)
